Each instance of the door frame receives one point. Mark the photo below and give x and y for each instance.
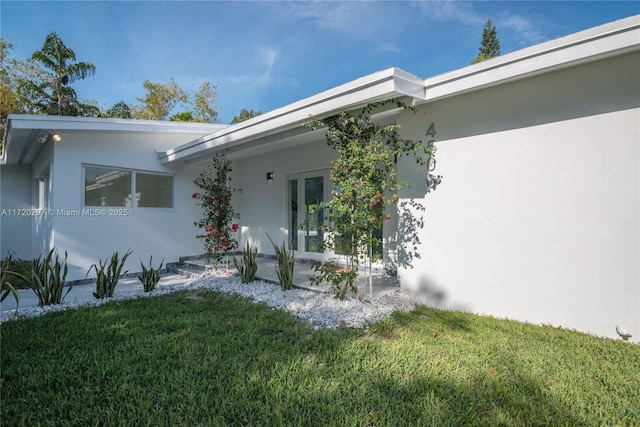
(299, 250)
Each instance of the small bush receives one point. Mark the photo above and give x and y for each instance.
(107, 277)
(284, 269)
(248, 266)
(46, 277)
(150, 277)
(339, 278)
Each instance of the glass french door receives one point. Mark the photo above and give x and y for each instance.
(305, 219)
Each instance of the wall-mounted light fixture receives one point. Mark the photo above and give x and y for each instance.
(44, 137)
(270, 176)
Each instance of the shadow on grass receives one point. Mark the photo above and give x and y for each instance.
(207, 358)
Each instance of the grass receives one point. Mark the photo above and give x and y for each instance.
(206, 358)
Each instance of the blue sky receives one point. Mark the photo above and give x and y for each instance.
(264, 55)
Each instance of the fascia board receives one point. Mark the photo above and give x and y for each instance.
(382, 85)
(23, 121)
(589, 45)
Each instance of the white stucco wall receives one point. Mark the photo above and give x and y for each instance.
(537, 217)
(163, 233)
(262, 203)
(15, 225)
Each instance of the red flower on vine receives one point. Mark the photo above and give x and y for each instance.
(234, 227)
(194, 196)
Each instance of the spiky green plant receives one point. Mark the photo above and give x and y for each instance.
(150, 277)
(248, 266)
(107, 276)
(284, 268)
(6, 272)
(46, 277)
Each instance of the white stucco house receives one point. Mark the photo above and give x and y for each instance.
(537, 217)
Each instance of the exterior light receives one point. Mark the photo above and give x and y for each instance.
(270, 176)
(42, 137)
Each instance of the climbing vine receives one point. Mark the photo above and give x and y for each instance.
(218, 213)
(365, 185)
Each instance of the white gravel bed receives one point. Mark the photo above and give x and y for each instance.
(320, 309)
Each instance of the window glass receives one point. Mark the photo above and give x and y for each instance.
(106, 187)
(154, 191)
(293, 214)
(43, 190)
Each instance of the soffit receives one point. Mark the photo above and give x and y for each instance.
(23, 131)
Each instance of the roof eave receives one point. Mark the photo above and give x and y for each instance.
(15, 146)
(590, 45)
(391, 82)
(70, 123)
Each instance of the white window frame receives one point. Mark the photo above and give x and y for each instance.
(132, 189)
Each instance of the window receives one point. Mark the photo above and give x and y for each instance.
(104, 186)
(43, 190)
(154, 191)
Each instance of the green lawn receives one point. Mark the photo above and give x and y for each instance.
(206, 358)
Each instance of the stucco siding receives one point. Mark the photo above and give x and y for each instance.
(162, 232)
(263, 203)
(15, 223)
(537, 217)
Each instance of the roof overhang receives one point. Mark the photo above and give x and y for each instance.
(27, 135)
(286, 123)
(612, 39)
(283, 127)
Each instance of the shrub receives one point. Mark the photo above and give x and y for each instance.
(248, 266)
(339, 278)
(150, 277)
(107, 277)
(284, 268)
(46, 276)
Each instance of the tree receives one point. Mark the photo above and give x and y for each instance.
(118, 111)
(205, 105)
(490, 45)
(365, 186)
(160, 100)
(55, 90)
(8, 96)
(184, 116)
(245, 115)
(17, 80)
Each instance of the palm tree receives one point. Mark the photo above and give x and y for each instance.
(60, 59)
